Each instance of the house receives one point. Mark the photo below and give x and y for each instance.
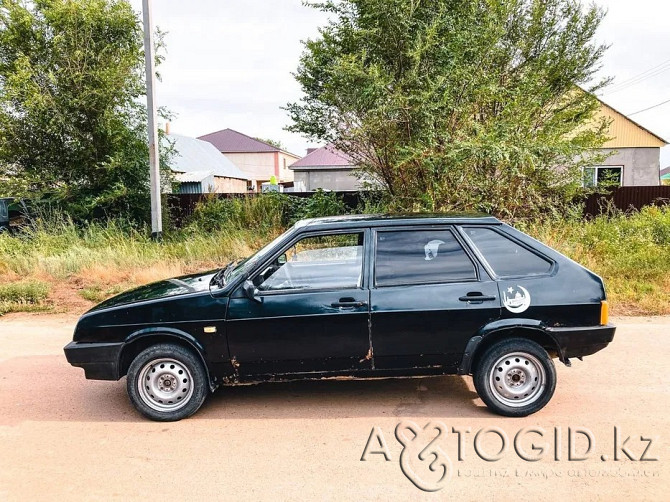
(259, 159)
(325, 168)
(634, 153)
(200, 168)
(633, 159)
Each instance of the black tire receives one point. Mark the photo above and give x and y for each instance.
(515, 377)
(173, 382)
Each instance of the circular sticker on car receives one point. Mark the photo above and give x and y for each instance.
(516, 299)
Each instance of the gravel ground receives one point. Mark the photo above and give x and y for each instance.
(62, 437)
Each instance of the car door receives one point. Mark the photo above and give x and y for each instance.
(310, 310)
(428, 297)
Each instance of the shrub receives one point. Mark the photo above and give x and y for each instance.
(318, 205)
(265, 212)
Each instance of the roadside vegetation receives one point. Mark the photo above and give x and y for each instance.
(444, 105)
(23, 296)
(57, 265)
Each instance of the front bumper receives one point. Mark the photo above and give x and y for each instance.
(100, 361)
(582, 341)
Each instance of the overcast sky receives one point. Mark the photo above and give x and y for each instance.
(229, 63)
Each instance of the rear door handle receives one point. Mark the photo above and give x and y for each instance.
(348, 302)
(477, 297)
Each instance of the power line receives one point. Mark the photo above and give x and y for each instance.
(650, 108)
(638, 81)
(643, 73)
(640, 77)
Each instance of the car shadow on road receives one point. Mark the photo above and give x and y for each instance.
(47, 388)
(446, 396)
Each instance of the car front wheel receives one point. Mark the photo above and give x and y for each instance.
(515, 377)
(167, 382)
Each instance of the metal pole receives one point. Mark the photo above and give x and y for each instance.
(154, 170)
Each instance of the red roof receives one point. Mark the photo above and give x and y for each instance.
(326, 156)
(229, 141)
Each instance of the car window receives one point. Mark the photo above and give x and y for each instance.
(319, 262)
(420, 257)
(506, 257)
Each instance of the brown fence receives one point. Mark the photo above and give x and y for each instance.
(627, 198)
(624, 198)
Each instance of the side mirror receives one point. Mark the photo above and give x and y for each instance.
(282, 259)
(251, 291)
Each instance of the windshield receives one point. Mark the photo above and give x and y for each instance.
(242, 266)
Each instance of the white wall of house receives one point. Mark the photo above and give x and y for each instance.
(327, 179)
(261, 166)
(641, 166)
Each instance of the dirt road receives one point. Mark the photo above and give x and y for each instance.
(65, 438)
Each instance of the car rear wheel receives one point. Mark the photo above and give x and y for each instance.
(515, 377)
(167, 382)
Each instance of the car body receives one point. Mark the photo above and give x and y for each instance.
(4, 214)
(358, 297)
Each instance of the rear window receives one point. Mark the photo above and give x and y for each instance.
(506, 257)
(421, 257)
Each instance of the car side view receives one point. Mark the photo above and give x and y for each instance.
(365, 296)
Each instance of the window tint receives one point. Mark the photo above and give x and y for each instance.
(420, 257)
(506, 257)
(320, 262)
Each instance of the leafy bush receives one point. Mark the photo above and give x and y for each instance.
(318, 205)
(265, 212)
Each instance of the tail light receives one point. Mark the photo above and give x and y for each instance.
(604, 312)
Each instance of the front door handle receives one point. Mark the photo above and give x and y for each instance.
(477, 297)
(348, 303)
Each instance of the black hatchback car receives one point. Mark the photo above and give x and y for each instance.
(355, 296)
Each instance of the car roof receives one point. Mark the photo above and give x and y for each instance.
(383, 220)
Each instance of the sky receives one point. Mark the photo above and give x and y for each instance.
(229, 63)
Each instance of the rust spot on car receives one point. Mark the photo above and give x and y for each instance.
(368, 356)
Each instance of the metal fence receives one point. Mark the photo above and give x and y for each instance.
(626, 199)
(623, 198)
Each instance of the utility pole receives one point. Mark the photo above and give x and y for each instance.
(154, 159)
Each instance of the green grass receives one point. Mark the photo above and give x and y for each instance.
(56, 263)
(630, 252)
(97, 293)
(23, 296)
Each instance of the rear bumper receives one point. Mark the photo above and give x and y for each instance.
(100, 361)
(582, 341)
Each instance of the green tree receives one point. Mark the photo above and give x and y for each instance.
(458, 104)
(72, 118)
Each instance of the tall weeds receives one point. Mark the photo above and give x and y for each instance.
(73, 264)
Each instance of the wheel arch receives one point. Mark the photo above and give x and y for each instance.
(141, 340)
(480, 343)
